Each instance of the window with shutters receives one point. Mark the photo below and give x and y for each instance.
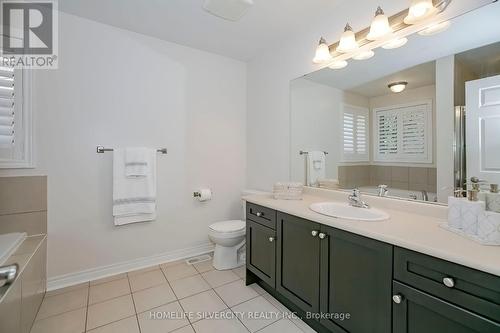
(355, 134)
(15, 118)
(403, 133)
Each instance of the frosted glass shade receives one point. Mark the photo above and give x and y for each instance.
(380, 27)
(348, 41)
(420, 10)
(322, 53)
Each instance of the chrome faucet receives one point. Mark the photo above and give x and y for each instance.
(355, 200)
(382, 190)
(425, 195)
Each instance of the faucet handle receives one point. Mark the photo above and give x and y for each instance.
(355, 192)
(383, 186)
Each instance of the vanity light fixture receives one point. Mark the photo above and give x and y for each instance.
(434, 29)
(364, 55)
(338, 64)
(322, 53)
(420, 10)
(397, 87)
(380, 27)
(348, 41)
(395, 43)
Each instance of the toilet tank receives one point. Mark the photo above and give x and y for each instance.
(243, 203)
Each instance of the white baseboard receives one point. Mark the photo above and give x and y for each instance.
(71, 279)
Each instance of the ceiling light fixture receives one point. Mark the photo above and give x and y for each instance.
(397, 87)
(420, 10)
(322, 53)
(395, 43)
(435, 28)
(338, 64)
(380, 27)
(348, 41)
(364, 55)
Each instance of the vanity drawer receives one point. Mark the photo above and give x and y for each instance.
(262, 215)
(474, 290)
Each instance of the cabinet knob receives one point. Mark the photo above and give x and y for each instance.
(271, 239)
(314, 233)
(259, 214)
(449, 282)
(322, 235)
(397, 298)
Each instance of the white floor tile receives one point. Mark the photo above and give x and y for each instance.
(198, 305)
(235, 293)
(257, 313)
(218, 278)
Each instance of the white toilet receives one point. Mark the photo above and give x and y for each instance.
(229, 239)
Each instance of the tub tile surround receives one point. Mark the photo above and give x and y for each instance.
(412, 225)
(23, 208)
(120, 308)
(405, 178)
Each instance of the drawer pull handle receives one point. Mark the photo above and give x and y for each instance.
(271, 239)
(314, 233)
(322, 235)
(397, 298)
(259, 214)
(449, 282)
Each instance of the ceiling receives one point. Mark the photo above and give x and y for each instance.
(418, 76)
(472, 30)
(186, 22)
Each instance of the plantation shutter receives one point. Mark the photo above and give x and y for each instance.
(355, 134)
(7, 133)
(404, 133)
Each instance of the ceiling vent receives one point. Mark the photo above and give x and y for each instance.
(231, 10)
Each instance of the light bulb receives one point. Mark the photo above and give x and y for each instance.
(380, 27)
(348, 41)
(398, 87)
(395, 43)
(420, 10)
(364, 55)
(338, 64)
(434, 29)
(322, 52)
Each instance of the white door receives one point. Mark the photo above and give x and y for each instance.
(483, 129)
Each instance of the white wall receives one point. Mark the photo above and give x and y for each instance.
(407, 96)
(316, 122)
(117, 88)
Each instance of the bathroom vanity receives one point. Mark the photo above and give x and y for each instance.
(405, 274)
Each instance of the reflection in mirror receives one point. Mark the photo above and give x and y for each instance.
(407, 122)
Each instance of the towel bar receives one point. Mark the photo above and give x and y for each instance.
(306, 152)
(101, 150)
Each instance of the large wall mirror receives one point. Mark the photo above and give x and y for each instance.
(414, 122)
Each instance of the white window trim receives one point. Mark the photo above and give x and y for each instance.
(28, 154)
(355, 157)
(429, 137)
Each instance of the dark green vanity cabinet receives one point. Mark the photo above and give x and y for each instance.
(356, 278)
(363, 285)
(298, 261)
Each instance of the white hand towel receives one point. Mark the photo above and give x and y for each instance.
(316, 167)
(489, 228)
(455, 212)
(136, 162)
(134, 199)
(471, 210)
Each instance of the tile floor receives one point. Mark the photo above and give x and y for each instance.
(173, 297)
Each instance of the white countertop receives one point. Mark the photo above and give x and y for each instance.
(412, 225)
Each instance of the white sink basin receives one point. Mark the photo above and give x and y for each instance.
(346, 211)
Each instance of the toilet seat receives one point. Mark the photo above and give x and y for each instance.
(231, 227)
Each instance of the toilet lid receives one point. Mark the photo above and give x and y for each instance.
(228, 226)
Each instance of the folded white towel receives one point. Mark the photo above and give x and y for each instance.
(316, 167)
(136, 162)
(134, 198)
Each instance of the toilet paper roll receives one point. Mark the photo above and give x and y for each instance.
(205, 194)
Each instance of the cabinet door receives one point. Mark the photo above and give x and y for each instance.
(416, 311)
(261, 252)
(298, 255)
(356, 278)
